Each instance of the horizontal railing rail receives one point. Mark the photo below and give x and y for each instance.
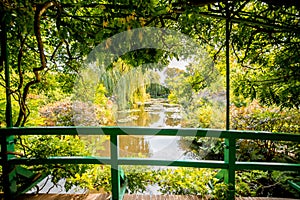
(218, 133)
(229, 164)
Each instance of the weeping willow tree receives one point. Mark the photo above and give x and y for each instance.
(135, 89)
(125, 84)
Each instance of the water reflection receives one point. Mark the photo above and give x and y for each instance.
(134, 146)
(157, 113)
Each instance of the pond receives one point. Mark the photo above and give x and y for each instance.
(154, 113)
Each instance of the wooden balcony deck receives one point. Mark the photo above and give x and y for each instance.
(128, 197)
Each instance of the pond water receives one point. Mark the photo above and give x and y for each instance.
(155, 113)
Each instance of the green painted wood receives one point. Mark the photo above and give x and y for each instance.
(61, 160)
(115, 178)
(265, 136)
(24, 172)
(33, 181)
(267, 166)
(7, 142)
(121, 161)
(151, 131)
(294, 185)
(123, 183)
(221, 174)
(229, 165)
(175, 163)
(230, 158)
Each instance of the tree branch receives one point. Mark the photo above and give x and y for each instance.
(20, 55)
(56, 49)
(37, 30)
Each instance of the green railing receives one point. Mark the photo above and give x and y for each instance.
(229, 164)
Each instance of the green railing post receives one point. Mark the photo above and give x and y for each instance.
(8, 171)
(230, 157)
(229, 153)
(7, 142)
(115, 178)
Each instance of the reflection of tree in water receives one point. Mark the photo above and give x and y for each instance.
(129, 146)
(202, 149)
(148, 115)
(185, 143)
(143, 118)
(134, 118)
(155, 117)
(136, 146)
(133, 146)
(172, 122)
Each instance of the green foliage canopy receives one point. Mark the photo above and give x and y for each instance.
(55, 36)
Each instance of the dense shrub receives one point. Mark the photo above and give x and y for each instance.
(259, 118)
